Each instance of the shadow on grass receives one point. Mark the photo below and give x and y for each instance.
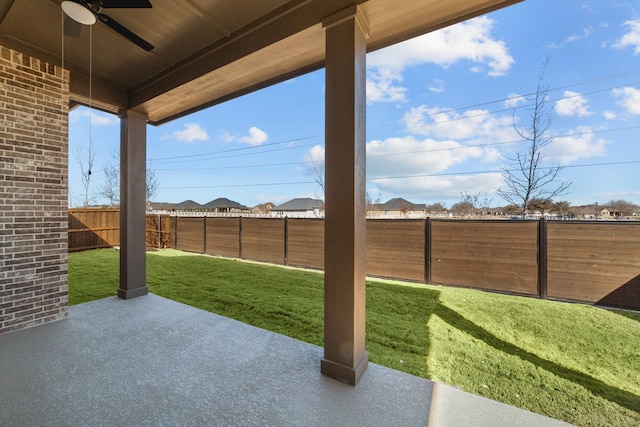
(633, 315)
(597, 387)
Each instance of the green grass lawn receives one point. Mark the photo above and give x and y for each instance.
(573, 362)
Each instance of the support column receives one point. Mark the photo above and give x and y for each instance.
(345, 358)
(133, 188)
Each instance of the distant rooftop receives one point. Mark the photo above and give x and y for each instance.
(223, 203)
(399, 203)
(302, 204)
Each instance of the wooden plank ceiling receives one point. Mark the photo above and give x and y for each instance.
(208, 51)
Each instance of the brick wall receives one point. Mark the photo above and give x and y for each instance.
(33, 191)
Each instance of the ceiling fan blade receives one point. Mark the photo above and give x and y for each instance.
(125, 32)
(71, 27)
(126, 4)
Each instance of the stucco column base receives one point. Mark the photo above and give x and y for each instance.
(346, 374)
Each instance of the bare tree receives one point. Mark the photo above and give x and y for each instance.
(152, 183)
(86, 167)
(525, 176)
(110, 188)
(437, 207)
(373, 204)
(622, 207)
(462, 209)
(472, 204)
(318, 177)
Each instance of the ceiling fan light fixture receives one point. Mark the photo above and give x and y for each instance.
(78, 13)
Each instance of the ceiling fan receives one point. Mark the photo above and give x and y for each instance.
(86, 12)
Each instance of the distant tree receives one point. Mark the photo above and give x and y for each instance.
(622, 207)
(436, 207)
(110, 188)
(525, 176)
(318, 177)
(511, 209)
(561, 207)
(373, 203)
(462, 209)
(541, 205)
(86, 170)
(152, 183)
(471, 204)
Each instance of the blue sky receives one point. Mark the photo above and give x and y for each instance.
(440, 113)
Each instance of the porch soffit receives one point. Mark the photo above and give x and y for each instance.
(209, 51)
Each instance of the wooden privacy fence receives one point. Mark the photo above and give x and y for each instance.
(593, 262)
(93, 228)
(100, 228)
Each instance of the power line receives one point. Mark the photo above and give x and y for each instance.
(404, 153)
(511, 98)
(467, 107)
(500, 170)
(267, 184)
(215, 154)
(288, 141)
(243, 154)
(261, 184)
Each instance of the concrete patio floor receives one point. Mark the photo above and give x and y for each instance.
(153, 361)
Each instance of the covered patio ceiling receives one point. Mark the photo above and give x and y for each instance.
(208, 51)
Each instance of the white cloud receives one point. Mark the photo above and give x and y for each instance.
(256, 136)
(191, 133)
(610, 115)
(632, 38)
(314, 159)
(226, 137)
(629, 99)
(436, 86)
(583, 145)
(315, 155)
(396, 157)
(575, 37)
(97, 119)
(443, 123)
(586, 32)
(381, 86)
(513, 100)
(439, 188)
(572, 104)
(408, 155)
(470, 40)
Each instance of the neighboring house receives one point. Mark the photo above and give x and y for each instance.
(584, 212)
(400, 208)
(224, 205)
(589, 212)
(220, 205)
(300, 208)
(186, 206)
(263, 208)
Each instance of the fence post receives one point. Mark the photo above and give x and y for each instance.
(427, 251)
(286, 240)
(204, 234)
(240, 237)
(542, 258)
(159, 231)
(175, 232)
